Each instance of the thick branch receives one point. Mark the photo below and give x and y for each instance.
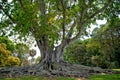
(79, 22)
(64, 17)
(42, 7)
(77, 35)
(80, 25)
(66, 41)
(69, 34)
(82, 12)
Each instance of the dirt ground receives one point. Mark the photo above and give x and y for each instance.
(81, 79)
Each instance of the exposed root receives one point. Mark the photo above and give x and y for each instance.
(58, 69)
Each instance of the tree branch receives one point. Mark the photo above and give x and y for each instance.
(64, 17)
(22, 6)
(80, 25)
(90, 17)
(82, 12)
(98, 11)
(69, 34)
(79, 22)
(77, 35)
(42, 7)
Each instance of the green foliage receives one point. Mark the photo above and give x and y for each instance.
(38, 59)
(5, 57)
(22, 52)
(21, 48)
(95, 60)
(8, 42)
(93, 47)
(76, 53)
(108, 40)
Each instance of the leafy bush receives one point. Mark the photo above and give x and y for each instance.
(5, 57)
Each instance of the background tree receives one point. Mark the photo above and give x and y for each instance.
(107, 37)
(76, 53)
(102, 49)
(110, 40)
(22, 52)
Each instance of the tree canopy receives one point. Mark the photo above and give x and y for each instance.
(55, 20)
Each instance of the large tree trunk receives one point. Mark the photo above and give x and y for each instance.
(50, 55)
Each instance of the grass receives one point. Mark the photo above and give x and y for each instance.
(116, 69)
(105, 77)
(93, 77)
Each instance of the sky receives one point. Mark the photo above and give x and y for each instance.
(92, 27)
(99, 22)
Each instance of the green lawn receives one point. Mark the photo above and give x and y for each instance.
(93, 77)
(116, 69)
(105, 77)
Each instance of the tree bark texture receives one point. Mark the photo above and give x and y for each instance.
(49, 55)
